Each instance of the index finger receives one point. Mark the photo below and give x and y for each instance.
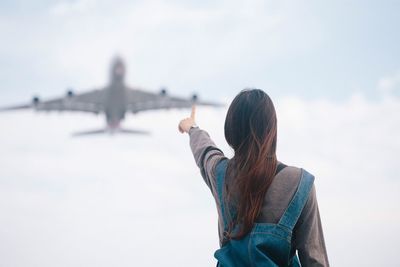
(193, 114)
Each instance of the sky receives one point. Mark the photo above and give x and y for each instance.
(331, 68)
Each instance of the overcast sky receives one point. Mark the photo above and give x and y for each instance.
(303, 48)
(332, 70)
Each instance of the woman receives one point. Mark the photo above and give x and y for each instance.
(267, 210)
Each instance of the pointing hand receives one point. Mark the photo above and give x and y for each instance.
(186, 124)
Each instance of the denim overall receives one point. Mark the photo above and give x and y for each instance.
(267, 244)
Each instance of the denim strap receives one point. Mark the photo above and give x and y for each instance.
(220, 181)
(293, 211)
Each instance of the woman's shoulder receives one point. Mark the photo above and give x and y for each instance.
(286, 182)
(289, 174)
(280, 193)
(292, 174)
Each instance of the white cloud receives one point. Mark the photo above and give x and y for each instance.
(389, 84)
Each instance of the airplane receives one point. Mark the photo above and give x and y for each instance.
(114, 100)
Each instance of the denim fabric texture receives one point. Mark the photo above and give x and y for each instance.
(267, 244)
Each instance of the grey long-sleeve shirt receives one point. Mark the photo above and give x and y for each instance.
(308, 236)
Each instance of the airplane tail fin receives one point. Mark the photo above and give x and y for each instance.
(108, 131)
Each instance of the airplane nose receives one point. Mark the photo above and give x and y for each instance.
(119, 71)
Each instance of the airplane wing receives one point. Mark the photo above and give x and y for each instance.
(92, 101)
(138, 100)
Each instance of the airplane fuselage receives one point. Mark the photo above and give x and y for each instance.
(115, 106)
(115, 99)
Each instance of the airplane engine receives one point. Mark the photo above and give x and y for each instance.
(35, 100)
(69, 93)
(163, 92)
(195, 97)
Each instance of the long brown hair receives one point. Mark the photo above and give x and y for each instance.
(251, 130)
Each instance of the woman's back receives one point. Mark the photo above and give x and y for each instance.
(307, 234)
(268, 243)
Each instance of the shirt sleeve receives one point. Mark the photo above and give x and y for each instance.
(308, 235)
(206, 154)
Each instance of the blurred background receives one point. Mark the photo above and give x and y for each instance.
(331, 68)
